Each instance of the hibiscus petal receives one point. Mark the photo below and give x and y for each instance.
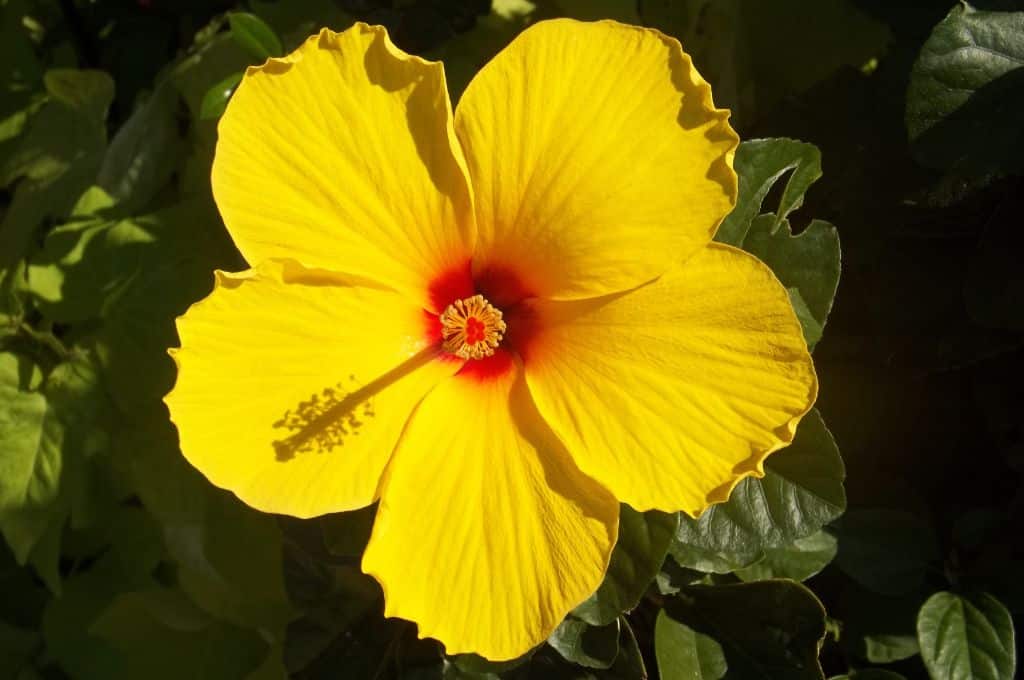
(293, 386)
(671, 393)
(487, 534)
(342, 156)
(597, 158)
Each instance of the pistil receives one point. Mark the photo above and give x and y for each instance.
(471, 328)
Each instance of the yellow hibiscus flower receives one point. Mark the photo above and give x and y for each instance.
(499, 323)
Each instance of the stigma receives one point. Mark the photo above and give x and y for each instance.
(471, 328)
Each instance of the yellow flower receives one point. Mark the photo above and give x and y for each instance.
(498, 323)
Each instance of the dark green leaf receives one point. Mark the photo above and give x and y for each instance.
(629, 664)
(802, 490)
(17, 647)
(879, 628)
(799, 561)
(254, 35)
(966, 637)
(638, 555)
(346, 533)
(216, 98)
(229, 557)
(88, 92)
(760, 163)
(56, 159)
(586, 645)
(966, 93)
(144, 153)
(159, 634)
(756, 54)
(869, 674)
(767, 629)
(886, 551)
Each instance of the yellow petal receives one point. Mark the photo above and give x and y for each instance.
(671, 393)
(487, 534)
(342, 156)
(293, 387)
(597, 158)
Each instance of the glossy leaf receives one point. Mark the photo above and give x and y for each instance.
(144, 153)
(586, 645)
(966, 91)
(253, 34)
(643, 541)
(760, 163)
(768, 629)
(966, 637)
(807, 264)
(216, 98)
(799, 561)
(802, 490)
(685, 654)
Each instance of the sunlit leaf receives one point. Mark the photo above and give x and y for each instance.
(760, 163)
(802, 490)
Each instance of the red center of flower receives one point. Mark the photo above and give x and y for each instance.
(475, 330)
(473, 310)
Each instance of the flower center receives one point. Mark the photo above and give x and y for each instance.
(471, 328)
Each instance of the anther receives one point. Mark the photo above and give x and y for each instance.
(471, 328)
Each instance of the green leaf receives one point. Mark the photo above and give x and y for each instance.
(684, 654)
(767, 629)
(802, 490)
(249, 31)
(807, 264)
(17, 647)
(799, 561)
(629, 664)
(159, 634)
(755, 54)
(966, 637)
(869, 674)
(886, 551)
(586, 645)
(966, 92)
(85, 266)
(144, 153)
(31, 463)
(638, 555)
(56, 159)
(879, 628)
(216, 98)
(88, 92)
(347, 533)
(229, 557)
(759, 164)
(465, 53)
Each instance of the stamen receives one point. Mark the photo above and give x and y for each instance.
(471, 328)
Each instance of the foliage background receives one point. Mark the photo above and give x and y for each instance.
(119, 560)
